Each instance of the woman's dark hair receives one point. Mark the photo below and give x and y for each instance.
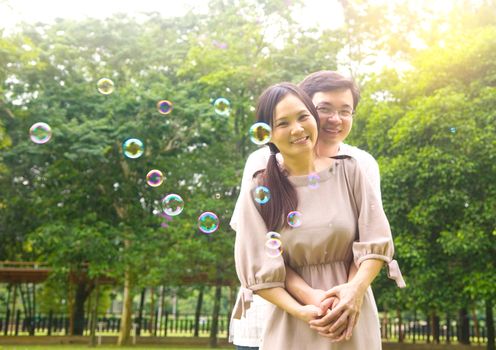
(328, 80)
(283, 197)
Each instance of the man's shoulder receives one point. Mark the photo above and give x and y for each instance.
(257, 160)
(261, 153)
(363, 157)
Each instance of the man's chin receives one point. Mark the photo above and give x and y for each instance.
(330, 140)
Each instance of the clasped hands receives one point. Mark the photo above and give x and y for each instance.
(333, 313)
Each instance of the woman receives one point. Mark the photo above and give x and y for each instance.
(342, 210)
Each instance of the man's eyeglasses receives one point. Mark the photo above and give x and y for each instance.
(325, 111)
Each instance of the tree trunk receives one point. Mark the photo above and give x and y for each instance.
(490, 325)
(161, 310)
(94, 316)
(70, 307)
(232, 301)
(464, 330)
(385, 334)
(401, 336)
(448, 328)
(414, 335)
(215, 317)
(199, 303)
(152, 311)
(140, 312)
(435, 327)
(7, 313)
(33, 310)
(14, 300)
(429, 328)
(82, 292)
(476, 326)
(124, 332)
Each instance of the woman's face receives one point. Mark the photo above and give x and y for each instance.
(294, 129)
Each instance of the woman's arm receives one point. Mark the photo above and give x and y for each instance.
(305, 294)
(281, 298)
(300, 289)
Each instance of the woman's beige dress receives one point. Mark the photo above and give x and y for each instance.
(342, 222)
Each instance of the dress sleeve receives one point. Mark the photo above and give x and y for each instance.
(255, 269)
(374, 233)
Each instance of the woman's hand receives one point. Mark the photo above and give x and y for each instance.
(308, 313)
(339, 322)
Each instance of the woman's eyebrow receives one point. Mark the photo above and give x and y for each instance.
(289, 115)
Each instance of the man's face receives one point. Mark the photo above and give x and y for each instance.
(335, 108)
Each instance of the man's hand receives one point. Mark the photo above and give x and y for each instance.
(339, 322)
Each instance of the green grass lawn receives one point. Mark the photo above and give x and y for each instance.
(103, 347)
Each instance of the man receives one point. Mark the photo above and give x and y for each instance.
(336, 98)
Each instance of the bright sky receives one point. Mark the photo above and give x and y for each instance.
(324, 13)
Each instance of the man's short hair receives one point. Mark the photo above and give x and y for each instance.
(327, 80)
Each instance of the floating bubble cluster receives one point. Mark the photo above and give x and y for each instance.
(40, 133)
(208, 222)
(105, 86)
(133, 148)
(273, 245)
(222, 106)
(154, 178)
(164, 107)
(260, 133)
(172, 204)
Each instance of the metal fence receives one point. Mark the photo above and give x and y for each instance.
(167, 325)
(410, 331)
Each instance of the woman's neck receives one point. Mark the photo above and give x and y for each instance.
(300, 165)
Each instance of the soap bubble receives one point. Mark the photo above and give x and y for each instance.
(262, 194)
(154, 178)
(273, 243)
(272, 235)
(105, 86)
(222, 106)
(133, 148)
(273, 253)
(164, 107)
(172, 204)
(208, 222)
(313, 181)
(260, 133)
(40, 133)
(294, 219)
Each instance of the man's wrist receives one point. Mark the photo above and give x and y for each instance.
(359, 285)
